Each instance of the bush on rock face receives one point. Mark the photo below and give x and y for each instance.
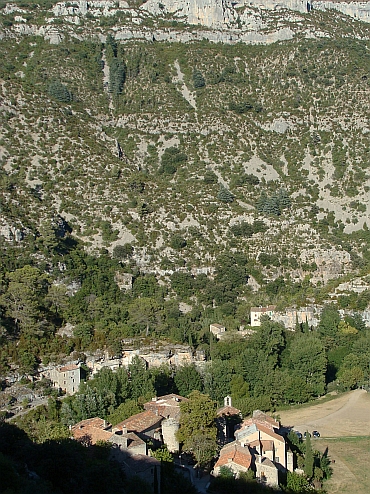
(59, 92)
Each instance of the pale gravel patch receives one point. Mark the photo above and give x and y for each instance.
(258, 167)
(187, 94)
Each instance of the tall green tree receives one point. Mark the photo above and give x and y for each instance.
(24, 298)
(141, 383)
(145, 311)
(269, 340)
(197, 430)
(308, 361)
(308, 458)
(187, 379)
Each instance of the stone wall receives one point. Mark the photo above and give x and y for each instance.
(169, 429)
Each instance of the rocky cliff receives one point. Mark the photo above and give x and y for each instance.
(219, 21)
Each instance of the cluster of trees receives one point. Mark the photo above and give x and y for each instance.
(245, 107)
(37, 298)
(117, 67)
(59, 92)
(274, 204)
(245, 229)
(171, 159)
(198, 79)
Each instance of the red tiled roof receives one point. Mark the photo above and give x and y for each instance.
(92, 430)
(140, 422)
(166, 406)
(266, 445)
(228, 411)
(258, 420)
(133, 440)
(262, 416)
(235, 454)
(263, 309)
(67, 368)
(271, 433)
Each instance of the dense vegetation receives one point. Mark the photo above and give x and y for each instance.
(197, 169)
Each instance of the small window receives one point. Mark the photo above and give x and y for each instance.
(277, 459)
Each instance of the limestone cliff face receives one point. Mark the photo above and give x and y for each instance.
(357, 10)
(216, 14)
(223, 21)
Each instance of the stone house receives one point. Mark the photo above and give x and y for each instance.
(261, 433)
(227, 419)
(266, 471)
(258, 446)
(217, 330)
(257, 312)
(235, 457)
(147, 425)
(290, 317)
(168, 407)
(128, 449)
(67, 378)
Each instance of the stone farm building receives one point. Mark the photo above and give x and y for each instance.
(257, 312)
(66, 378)
(168, 407)
(128, 449)
(217, 330)
(259, 446)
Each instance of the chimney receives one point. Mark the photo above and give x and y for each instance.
(124, 430)
(154, 398)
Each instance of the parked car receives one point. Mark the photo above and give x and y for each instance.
(299, 435)
(316, 433)
(306, 434)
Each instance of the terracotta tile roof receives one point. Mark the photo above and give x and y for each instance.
(140, 422)
(271, 433)
(234, 453)
(92, 430)
(67, 368)
(263, 309)
(262, 416)
(266, 445)
(228, 411)
(166, 406)
(260, 420)
(133, 440)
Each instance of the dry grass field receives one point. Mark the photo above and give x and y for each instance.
(344, 424)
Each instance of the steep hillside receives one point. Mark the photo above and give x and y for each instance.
(137, 142)
(152, 186)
